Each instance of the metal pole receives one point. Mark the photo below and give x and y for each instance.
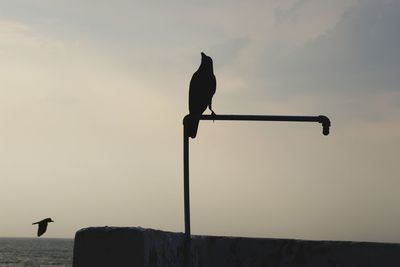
(326, 123)
(186, 188)
(187, 259)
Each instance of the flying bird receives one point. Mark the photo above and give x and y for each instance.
(201, 90)
(42, 226)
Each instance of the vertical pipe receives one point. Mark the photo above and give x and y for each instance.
(186, 181)
(187, 246)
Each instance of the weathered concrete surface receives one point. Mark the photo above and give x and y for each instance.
(112, 246)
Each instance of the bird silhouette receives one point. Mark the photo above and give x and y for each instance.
(42, 226)
(201, 91)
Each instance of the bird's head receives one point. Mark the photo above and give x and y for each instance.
(49, 220)
(206, 61)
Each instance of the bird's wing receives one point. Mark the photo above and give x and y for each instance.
(212, 87)
(42, 229)
(198, 96)
(38, 222)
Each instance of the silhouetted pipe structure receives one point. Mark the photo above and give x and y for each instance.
(320, 119)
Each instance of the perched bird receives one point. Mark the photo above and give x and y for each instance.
(42, 226)
(201, 90)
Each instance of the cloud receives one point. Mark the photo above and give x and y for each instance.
(282, 15)
(350, 71)
(360, 54)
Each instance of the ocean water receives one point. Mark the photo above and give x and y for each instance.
(32, 252)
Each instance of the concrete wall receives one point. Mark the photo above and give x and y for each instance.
(111, 246)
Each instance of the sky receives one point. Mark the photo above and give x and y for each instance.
(93, 93)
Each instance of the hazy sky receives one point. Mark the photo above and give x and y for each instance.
(93, 93)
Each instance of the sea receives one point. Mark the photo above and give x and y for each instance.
(32, 252)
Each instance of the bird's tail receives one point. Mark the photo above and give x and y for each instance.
(192, 126)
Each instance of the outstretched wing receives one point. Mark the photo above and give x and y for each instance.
(42, 228)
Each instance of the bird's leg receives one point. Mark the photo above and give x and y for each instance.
(212, 111)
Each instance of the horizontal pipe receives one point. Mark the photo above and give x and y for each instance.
(321, 119)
